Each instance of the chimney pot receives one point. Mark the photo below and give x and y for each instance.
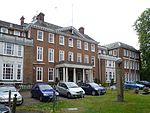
(22, 20)
(81, 30)
(40, 16)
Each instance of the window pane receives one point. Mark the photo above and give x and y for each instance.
(8, 71)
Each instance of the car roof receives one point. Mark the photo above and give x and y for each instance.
(7, 85)
(41, 84)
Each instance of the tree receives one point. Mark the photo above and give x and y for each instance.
(142, 27)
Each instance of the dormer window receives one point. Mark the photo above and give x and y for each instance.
(17, 33)
(4, 30)
(23, 34)
(70, 42)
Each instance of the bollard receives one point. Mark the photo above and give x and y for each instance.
(9, 100)
(54, 101)
(14, 104)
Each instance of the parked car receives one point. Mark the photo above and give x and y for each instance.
(92, 88)
(70, 89)
(146, 83)
(43, 92)
(4, 109)
(133, 85)
(4, 94)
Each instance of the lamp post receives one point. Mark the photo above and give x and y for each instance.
(120, 95)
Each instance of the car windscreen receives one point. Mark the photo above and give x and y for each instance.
(94, 85)
(7, 88)
(72, 85)
(45, 87)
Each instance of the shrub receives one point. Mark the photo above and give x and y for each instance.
(136, 91)
(146, 89)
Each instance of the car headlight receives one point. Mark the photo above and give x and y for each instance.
(19, 98)
(96, 88)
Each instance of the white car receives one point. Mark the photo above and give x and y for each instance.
(4, 94)
(70, 89)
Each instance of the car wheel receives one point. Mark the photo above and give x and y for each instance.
(32, 96)
(93, 93)
(22, 101)
(41, 99)
(68, 95)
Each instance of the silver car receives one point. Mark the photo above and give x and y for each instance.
(70, 89)
(4, 94)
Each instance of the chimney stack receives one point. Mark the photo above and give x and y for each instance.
(81, 30)
(40, 16)
(22, 20)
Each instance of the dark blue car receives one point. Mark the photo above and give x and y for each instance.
(133, 85)
(43, 92)
(92, 88)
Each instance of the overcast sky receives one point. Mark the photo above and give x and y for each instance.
(106, 21)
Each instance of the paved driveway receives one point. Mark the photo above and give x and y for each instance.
(27, 98)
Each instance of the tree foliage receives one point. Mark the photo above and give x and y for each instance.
(142, 27)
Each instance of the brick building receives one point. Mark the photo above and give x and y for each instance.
(62, 52)
(107, 65)
(108, 56)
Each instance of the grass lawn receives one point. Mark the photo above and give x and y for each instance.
(133, 103)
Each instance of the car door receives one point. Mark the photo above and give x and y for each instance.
(64, 89)
(85, 88)
(36, 91)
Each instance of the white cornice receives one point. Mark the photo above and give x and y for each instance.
(61, 33)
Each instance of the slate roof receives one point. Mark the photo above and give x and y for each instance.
(47, 25)
(62, 29)
(120, 45)
(10, 25)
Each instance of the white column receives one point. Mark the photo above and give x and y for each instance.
(57, 72)
(91, 75)
(83, 75)
(64, 74)
(74, 75)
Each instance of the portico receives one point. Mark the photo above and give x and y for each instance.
(74, 72)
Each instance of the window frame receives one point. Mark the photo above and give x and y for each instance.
(9, 47)
(50, 55)
(86, 57)
(61, 52)
(50, 37)
(19, 68)
(17, 33)
(40, 36)
(38, 53)
(72, 57)
(86, 46)
(70, 42)
(79, 57)
(40, 70)
(93, 47)
(93, 62)
(49, 74)
(19, 50)
(61, 40)
(6, 69)
(79, 46)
